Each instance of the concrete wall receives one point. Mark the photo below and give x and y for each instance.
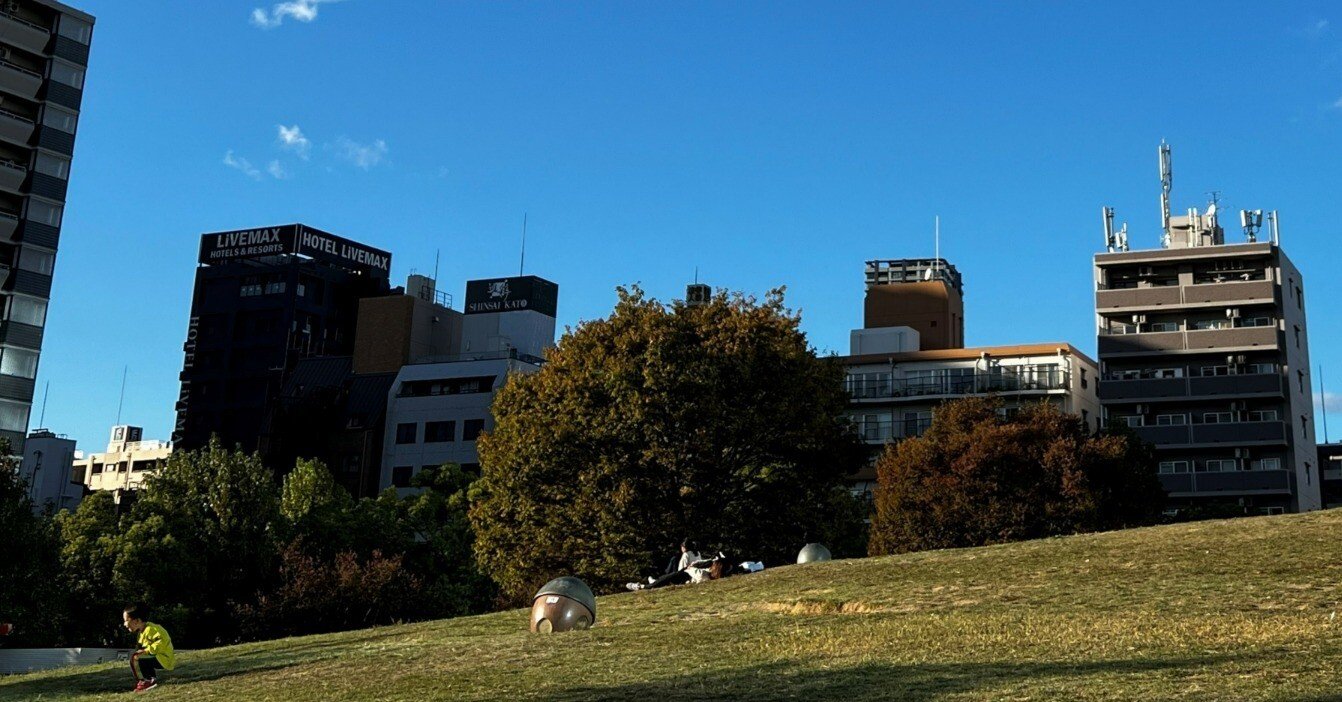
(1300, 388)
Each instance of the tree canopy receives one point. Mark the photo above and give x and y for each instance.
(716, 422)
(978, 478)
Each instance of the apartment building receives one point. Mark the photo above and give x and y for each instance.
(48, 467)
(1204, 351)
(44, 53)
(129, 458)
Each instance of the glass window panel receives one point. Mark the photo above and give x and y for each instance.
(76, 29)
(18, 362)
(13, 416)
(65, 73)
(54, 166)
(43, 213)
(27, 310)
(56, 118)
(37, 260)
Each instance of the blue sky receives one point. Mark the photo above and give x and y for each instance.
(766, 144)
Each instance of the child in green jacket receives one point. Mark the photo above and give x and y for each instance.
(155, 651)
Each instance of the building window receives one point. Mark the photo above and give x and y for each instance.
(37, 260)
(1215, 370)
(1131, 420)
(1171, 420)
(1084, 384)
(43, 213)
(1266, 464)
(1211, 324)
(250, 290)
(68, 74)
(273, 287)
(57, 118)
(439, 432)
(27, 310)
(54, 166)
(1263, 416)
(471, 428)
(1260, 368)
(76, 29)
(1299, 298)
(20, 363)
(1164, 326)
(1172, 467)
(407, 433)
(1300, 376)
(13, 416)
(400, 476)
(1297, 336)
(1219, 465)
(1085, 418)
(1217, 418)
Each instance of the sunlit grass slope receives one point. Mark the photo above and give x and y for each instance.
(1227, 610)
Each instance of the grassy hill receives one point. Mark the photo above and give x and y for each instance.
(1228, 610)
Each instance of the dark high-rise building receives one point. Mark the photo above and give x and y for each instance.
(265, 299)
(1204, 352)
(44, 49)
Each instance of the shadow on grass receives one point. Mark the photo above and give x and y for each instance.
(876, 681)
(202, 666)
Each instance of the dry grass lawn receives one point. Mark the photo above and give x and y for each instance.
(1229, 610)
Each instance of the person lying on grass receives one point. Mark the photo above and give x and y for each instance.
(695, 572)
(155, 652)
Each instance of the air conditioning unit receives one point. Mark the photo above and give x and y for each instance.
(1241, 359)
(1142, 409)
(1232, 313)
(1235, 407)
(1241, 453)
(1146, 270)
(1139, 319)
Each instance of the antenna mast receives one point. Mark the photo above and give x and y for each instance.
(1323, 404)
(936, 261)
(522, 264)
(124, 370)
(42, 421)
(1166, 183)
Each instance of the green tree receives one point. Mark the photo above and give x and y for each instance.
(200, 539)
(716, 422)
(976, 478)
(30, 594)
(90, 544)
(443, 554)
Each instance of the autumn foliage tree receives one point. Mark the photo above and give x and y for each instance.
(977, 478)
(659, 422)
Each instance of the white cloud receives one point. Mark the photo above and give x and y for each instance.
(292, 139)
(241, 164)
(1330, 401)
(276, 169)
(298, 10)
(364, 156)
(1317, 28)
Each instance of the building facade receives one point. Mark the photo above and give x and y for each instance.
(1204, 352)
(44, 52)
(1330, 474)
(48, 467)
(437, 407)
(264, 299)
(122, 468)
(895, 395)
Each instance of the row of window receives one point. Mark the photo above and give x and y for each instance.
(1198, 371)
(1218, 465)
(1181, 419)
(439, 432)
(1196, 325)
(401, 475)
(446, 386)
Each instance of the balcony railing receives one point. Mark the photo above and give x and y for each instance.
(881, 431)
(976, 384)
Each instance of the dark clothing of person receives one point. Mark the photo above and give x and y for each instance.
(679, 577)
(144, 667)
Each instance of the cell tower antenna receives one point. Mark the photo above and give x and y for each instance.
(124, 370)
(696, 275)
(1166, 184)
(936, 261)
(436, 254)
(1108, 214)
(522, 264)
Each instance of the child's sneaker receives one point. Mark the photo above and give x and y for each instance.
(634, 586)
(146, 685)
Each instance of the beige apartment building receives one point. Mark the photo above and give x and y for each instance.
(125, 463)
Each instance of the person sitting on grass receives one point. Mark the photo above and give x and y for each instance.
(695, 572)
(155, 652)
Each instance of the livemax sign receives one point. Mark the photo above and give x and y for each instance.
(221, 247)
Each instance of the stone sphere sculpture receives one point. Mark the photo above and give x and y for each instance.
(813, 553)
(563, 604)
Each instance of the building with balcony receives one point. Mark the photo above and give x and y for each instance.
(439, 405)
(1204, 351)
(265, 299)
(895, 395)
(122, 468)
(44, 51)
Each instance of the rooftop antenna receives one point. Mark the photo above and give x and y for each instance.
(1273, 227)
(1108, 214)
(436, 254)
(522, 264)
(42, 419)
(120, 402)
(1166, 183)
(1251, 221)
(696, 275)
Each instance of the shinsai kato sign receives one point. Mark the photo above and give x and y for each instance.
(221, 247)
(515, 294)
